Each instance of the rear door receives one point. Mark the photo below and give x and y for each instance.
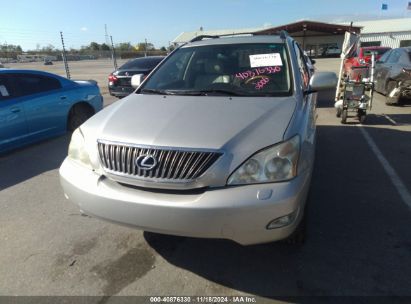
(381, 71)
(13, 125)
(389, 69)
(42, 97)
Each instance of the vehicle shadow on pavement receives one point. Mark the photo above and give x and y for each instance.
(325, 99)
(358, 236)
(19, 165)
(401, 119)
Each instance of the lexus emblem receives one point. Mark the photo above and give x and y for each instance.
(146, 162)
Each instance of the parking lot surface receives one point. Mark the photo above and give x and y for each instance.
(358, 239)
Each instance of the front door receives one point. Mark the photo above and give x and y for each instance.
(13, 125)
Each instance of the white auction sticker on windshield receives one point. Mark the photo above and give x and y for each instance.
(264, 60)
(3, 91)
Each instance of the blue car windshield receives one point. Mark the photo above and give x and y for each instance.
(259, 69)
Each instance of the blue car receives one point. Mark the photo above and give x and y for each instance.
(36, 105)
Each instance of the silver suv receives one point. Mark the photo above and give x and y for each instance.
(217, 142)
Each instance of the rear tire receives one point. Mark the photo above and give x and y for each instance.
(362, 118)
(344, 115)
(78, 115)
(339, 111)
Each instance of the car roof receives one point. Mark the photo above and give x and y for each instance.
(148, 58)
(236, 40)
(20, 71)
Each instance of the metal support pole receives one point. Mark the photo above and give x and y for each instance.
(145, 48)
(304, 30)
(113, 53)
(372, 79)
(65, 57)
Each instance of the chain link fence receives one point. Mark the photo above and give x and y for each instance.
(10, 57)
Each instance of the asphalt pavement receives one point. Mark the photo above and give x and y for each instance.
(358, 240)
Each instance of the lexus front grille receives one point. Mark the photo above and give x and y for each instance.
(170, 164)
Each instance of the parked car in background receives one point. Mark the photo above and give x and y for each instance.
(119, 82)
(217, 142)
(310, 62)
(48, 62)
(392, 75)
(362, 58)
(35, 105)
(332, 51)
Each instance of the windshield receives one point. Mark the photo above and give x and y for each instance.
(232, 69)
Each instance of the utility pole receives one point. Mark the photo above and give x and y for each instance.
(106, 34)
(65, 57)
(113, 53)
(145, 48)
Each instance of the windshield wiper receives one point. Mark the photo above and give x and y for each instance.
(155, 91)
(208, 92)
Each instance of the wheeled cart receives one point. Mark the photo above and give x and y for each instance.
(356, 98)
(354, 92)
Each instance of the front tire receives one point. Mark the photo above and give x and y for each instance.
(298, 236)
(77, 116)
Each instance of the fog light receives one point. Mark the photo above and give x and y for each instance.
(282, 221)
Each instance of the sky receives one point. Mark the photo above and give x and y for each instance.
(38, 23)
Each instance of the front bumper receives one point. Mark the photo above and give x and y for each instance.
(238, 213)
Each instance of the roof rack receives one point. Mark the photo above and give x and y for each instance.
(201, 37)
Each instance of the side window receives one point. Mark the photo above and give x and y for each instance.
(28, 84)
(405, 58)
(5, 88)
(302, 65)
(395, 56)
(384, 57)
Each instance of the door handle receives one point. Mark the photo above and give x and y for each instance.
(63, 97)
(15, 110)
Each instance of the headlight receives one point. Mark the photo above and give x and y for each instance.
(274, 164)
(77, 151)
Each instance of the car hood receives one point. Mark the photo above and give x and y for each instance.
(210, 122)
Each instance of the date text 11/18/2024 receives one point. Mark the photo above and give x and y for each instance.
(203, 299)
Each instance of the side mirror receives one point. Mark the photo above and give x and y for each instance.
(322, 81)
(136, 80)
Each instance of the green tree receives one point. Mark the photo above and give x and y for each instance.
(142, 46)
(48, 49)
(94, 46)
(124, 46)
(104, 47)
